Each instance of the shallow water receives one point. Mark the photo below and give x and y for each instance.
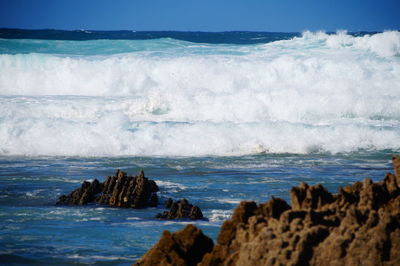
(34, 230)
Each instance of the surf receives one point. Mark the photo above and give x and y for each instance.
(317, 92)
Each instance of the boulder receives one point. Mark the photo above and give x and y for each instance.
(185, 247)
(119, 190)
(181, 209)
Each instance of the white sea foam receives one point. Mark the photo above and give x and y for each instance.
(169, 184)
(134, 218)
(383, 44)
(94, 258)
(220, 215)
(35, 193)
(230, 201)
(165, 139)
(319, 92)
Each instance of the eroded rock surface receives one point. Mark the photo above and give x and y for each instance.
(119, 190)
(358, 226)
(185, 247)
(181, 209)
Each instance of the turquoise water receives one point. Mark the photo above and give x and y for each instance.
(212, 117)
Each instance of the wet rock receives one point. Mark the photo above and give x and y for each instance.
(185, 247)
(181, 209)
(83, 195)
(360, 225)
(119, 190)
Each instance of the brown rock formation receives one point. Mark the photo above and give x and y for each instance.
(358, 226)
(83, 195)
(185, 247)
(119, 190)
(180, 210)
(396, 165)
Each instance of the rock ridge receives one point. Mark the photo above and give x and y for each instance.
(120, 190)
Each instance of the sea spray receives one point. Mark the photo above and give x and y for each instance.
(316, 93)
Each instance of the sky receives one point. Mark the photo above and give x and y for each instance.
(202, 15)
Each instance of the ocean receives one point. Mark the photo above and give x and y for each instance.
(215, 118)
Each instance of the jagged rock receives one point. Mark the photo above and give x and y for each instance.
(306, 196)
(180, 210)
(358, 226)
(273, 208)
(185, 247)
(119, 190)
(83, 195)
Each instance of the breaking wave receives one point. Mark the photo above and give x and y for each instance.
(316, 93)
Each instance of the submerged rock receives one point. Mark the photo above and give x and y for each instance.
(358, 226)
(181, 209)
(119, 190)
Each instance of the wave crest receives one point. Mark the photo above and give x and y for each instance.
(320, 92)
(384, 44)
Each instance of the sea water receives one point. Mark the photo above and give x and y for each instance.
(212, 117)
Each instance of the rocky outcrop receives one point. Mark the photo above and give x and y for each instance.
(185, 247)
(358, 226)
(119, 190)
(181, 209)
(83, 195)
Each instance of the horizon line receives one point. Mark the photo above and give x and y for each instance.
(198, 31)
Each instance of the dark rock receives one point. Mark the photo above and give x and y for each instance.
(119, 190)
(83, 195)
(168, 203)
(358, 226)
(180, 210)
(185, 247)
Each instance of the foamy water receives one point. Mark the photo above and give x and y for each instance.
(316, 93)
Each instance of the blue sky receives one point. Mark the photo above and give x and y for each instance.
(202, 15)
